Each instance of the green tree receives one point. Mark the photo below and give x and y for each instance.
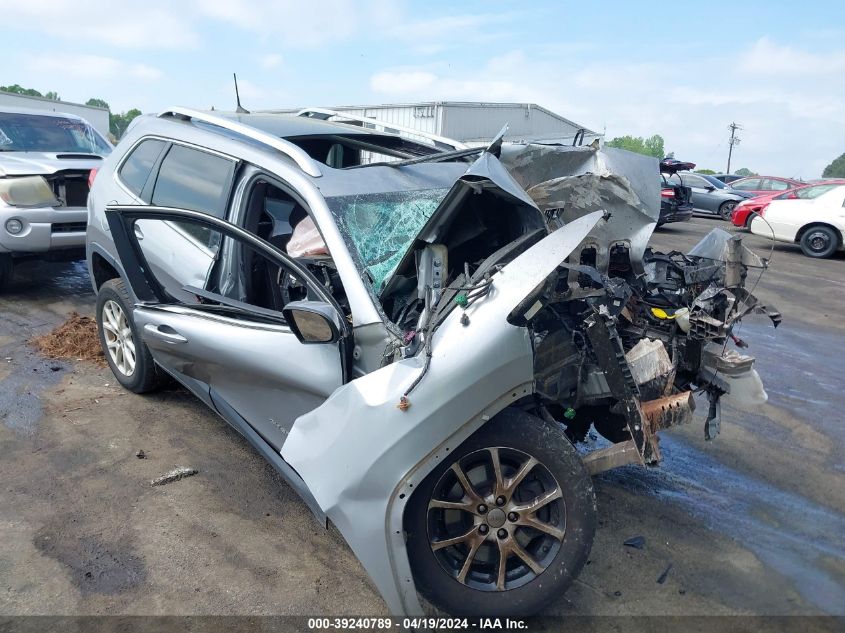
(97, 103)
(119, 122)
(20, 90)
(651, 146)
(29, 92)
(706, 172)
(744, 171)
(836, 169)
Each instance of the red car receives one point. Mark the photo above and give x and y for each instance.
(765, 184)
(746, 210)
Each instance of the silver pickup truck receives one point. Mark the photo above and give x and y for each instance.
(47, 161)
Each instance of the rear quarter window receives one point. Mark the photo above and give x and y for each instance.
(137, 167)
(192, 179)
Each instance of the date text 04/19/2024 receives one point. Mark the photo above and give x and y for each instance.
(420, 623)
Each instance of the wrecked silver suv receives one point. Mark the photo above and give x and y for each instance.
(415, 335)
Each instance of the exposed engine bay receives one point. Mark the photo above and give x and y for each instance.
(622, 335)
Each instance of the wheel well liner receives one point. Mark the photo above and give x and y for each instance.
(102, 270)
(807, 227)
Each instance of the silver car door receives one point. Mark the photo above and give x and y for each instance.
(234, 350)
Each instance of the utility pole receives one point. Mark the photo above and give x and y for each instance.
(733, 127)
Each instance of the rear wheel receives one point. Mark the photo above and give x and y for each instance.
(726, 209)
(506, 523)
(127, 355)
(819, 241)
(6, 267)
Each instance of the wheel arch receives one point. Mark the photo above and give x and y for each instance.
(800, 233)
(101, 270)
(102, 266)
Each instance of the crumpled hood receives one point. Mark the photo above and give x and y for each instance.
(44, 163)
(576, 181)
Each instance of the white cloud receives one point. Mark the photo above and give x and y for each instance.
(154, 25)
(91, 67)
(271, 61)
(792, 126)
(297, 24)
(768, 58)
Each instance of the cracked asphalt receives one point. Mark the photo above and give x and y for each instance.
(751, 523)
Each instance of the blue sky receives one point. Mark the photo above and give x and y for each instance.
(682, 70)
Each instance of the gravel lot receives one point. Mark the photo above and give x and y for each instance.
(751, 523)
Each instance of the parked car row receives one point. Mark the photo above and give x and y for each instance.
(808, 214)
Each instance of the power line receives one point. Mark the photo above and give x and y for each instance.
(734, 140)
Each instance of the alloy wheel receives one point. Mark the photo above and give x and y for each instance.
(496, 519)
(118, 335)
(726, 210)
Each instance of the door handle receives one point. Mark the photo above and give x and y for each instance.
(164, 333)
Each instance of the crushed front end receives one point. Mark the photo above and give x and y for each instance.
(624, 335)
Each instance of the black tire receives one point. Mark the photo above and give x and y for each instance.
(511, 434)
(145, 376)
(819, 241)
(6, 268)
(749, 220)
(726, 208)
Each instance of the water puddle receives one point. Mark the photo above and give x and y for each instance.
(789, 533)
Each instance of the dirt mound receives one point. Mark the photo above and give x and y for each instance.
(75, 339)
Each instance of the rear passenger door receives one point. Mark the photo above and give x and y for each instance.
(182, 176)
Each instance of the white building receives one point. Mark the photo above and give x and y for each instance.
(97, 117)
(476, 123)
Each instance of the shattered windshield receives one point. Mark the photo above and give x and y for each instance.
(39, 133)
(381, 226)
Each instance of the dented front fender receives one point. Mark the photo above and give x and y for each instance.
(361, 455)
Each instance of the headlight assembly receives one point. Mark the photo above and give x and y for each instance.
(29, 191)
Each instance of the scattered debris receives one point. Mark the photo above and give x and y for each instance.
(76, 338)
(637, 542)
(662, 578)
(617, 593)
(180, 472)
(141, 455)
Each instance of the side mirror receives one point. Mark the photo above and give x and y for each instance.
(710, 188)
(313, 321)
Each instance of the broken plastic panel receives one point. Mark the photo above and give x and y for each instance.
(714, 246)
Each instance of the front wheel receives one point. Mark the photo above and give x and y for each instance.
(127, 355)
(726, 209)
(504, 525)
(819, 241)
